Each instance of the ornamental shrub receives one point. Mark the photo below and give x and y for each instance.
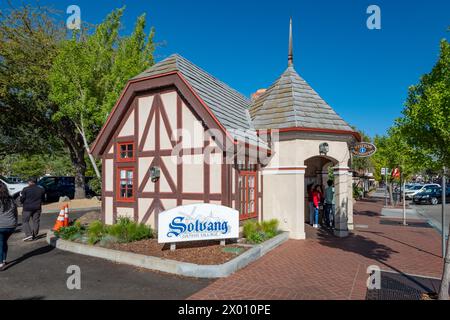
(71, 233)
(96, 231)
(126, 230)
(256, 232)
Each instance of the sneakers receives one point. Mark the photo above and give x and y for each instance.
(29, 238)
(2, 266)
(315, 226)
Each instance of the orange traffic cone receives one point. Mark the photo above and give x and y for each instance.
(66, 215)
(59, 221)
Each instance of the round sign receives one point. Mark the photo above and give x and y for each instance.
(363, 149)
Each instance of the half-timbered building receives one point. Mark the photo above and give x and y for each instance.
(178, 135)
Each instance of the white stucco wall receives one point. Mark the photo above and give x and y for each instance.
(284, 181)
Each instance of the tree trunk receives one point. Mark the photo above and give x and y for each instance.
(80, 174)
(74, 142)
(443, 292)
(391, 197)
(91, 157)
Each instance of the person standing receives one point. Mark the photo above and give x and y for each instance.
(31, 199)
(309, 190)
(8, 222)
(317, 197)
(329, 204)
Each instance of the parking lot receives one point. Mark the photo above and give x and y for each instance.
(38, 271)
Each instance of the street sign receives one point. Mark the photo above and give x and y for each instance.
(363, 149)
(384, 170)
(396, 173)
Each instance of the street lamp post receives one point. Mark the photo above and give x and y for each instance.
(385, 187)
(443, 212)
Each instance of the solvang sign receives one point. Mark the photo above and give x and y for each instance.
(196, 222)
(363, 149)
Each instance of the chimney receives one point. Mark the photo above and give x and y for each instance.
(258, 93)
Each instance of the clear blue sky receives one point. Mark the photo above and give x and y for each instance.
(363, 74)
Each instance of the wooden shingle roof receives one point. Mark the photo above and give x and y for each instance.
(229, 106)
(291, 103)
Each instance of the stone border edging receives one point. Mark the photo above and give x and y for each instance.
(171, 266)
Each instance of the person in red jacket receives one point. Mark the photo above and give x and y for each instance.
(317, 198)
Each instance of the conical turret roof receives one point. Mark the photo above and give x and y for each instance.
(291, 103)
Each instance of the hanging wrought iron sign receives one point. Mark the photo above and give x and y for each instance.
(363, 149)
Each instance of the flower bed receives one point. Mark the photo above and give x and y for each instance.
(198, 252)
(130, 236)
(124, 231)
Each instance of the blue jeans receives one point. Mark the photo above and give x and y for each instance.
(316, 215)
(311, 213)
(5, 233)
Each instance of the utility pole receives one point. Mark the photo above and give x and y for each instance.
(443, 211)
(443, 291)
(385, 186)
(404, 197)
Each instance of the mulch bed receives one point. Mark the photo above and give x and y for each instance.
(198, 252)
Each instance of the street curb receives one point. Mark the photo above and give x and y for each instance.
(76, 210)
(171, 266)
(72, 210)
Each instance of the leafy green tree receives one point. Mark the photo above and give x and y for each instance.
(426, 117)
(426, 125)
(90, 71)
(393, 151)
(35, 117)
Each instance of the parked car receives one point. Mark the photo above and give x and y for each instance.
(432, 195)
(56, 187)
(409, 194)
(14, 188)
(15, 179)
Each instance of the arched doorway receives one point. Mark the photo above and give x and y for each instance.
(318, 171)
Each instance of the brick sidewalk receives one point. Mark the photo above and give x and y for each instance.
(326, 267)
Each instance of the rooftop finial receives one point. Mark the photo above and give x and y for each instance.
(291, 50)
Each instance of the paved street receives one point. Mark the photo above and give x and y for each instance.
(39, 272)
(434, 214)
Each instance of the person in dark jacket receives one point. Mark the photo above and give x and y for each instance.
(8, 222)
(31, 198)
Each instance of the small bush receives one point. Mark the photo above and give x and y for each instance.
(108, 240)
(256, 232)
(270, 228)
(96, 231)
(71, 233)
(126, 230)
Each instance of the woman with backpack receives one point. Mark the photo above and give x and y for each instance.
(8, 222)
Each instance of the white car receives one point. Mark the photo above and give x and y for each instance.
(409, 194)
(14, 188)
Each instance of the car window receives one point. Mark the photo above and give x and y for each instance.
(66, 182)
(416, 188)
(47, 182)
(6, 180)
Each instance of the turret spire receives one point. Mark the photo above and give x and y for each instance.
(291, 50)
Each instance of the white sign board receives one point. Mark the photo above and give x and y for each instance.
(195, 222)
